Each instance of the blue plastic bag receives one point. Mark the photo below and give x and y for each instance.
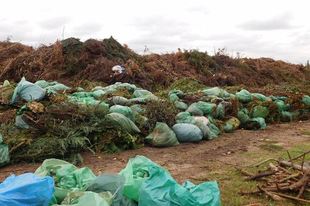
(26, 190)
(187, 132)
(161, 189)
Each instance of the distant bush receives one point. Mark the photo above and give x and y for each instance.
(200, 60)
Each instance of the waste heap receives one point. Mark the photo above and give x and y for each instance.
(48, 119)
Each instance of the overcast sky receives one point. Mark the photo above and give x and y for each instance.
(260, 28)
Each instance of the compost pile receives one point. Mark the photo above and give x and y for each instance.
(287, 179)
(73, 61)
(49, 119)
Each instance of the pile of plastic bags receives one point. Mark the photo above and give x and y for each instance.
(142, 182)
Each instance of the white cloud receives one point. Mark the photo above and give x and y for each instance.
(279, 29)
(280, 22)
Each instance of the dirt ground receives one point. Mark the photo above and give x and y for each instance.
(191, 161)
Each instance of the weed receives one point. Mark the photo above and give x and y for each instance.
(160, 111)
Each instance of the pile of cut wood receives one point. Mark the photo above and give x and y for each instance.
(288, 179)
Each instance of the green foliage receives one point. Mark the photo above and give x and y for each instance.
(115, 51)
(115, 141)
(63, 129)
(160, 111)
(122, 92)
(199, 60)
(187, 85)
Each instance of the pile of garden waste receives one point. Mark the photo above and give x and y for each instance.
(44, 120)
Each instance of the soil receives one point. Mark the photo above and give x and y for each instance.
(191, 161)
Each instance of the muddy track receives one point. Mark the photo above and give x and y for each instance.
(190, 161)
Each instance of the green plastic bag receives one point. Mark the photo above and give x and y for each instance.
(261, 121)
(82, 94)
(162, 136)
(4, 154)
(234, 122)
(244, 96)
(73, 198)
(99, 93)
(205, 107)
(180, 105)
(306, 100)
(282, 106)
(124, 110)
(259, 96)
(141, 93)
(118, 85)
(120, 100)
(185, 117)
(173, 97)
(193, 110)
(27, 91)
(215, 91)
(138, 100)
(179, 93)
(213, 128)
(135, 173)
(119, 121)
(162, 189)
(67, 177)
(42, 83)
(228, 128)
(204, 129)
(260, 111)
(91, 198)
(55, 88)
(243, 115)
(220, 111)
(83, 176)
(286, 116)
(187, 132)
(21, 122)
(137, 108)
(80, 89)
(108, 183)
